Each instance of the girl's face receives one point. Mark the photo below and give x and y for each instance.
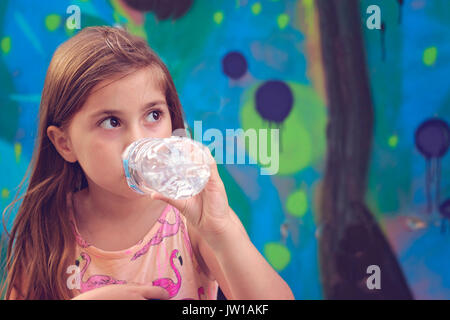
(116, 114)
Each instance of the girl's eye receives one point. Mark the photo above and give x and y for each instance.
(110, 120)
(158, 115)
(155, 115)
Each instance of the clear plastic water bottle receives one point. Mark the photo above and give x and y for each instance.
(176, 167)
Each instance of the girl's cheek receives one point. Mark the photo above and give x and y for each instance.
(101, 148)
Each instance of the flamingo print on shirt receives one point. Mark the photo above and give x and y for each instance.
(167, 283)
(95, 281)
(145, 264)
(165, 230)
(200, 291)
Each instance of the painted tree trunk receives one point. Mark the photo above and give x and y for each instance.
(350, 240)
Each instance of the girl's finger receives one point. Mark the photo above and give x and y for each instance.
(211, 161)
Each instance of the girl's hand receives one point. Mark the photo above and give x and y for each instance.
(125, 292)
(207, 211)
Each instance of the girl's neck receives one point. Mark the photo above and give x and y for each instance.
(99, 214)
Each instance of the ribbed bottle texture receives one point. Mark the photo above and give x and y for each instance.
(177, 167)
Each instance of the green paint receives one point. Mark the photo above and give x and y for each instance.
(297, 204)
(6, 44)
(283, 20)
(277, 255)
(119, 12)
(302, 133)
(121, 17)
(256, 8)
(17, 151)
(393, 141)
(52, 22)
(5, 193)
(308, 4)
(181, 42)
(429, 56)
(218, 17)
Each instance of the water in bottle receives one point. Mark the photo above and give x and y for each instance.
(176, 167)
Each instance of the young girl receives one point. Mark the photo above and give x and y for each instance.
(81, 232)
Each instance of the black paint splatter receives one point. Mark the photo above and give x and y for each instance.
(432, 139)
(164, 9)
(274, 101)
(234, 65)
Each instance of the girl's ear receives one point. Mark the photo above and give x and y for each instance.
(62, 143)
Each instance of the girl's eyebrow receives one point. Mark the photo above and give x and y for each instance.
(120, 112)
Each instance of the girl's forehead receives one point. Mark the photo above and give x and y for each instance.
(151, 78)
(139, 87)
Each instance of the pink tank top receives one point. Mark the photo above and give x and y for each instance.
(164, 258)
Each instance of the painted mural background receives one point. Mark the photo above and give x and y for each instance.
(224, 56)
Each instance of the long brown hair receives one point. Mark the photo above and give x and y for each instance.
(41, 243)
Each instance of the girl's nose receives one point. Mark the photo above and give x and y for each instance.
(136, 132)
